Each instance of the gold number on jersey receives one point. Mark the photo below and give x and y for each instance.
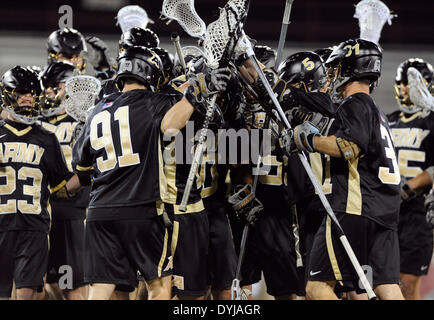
(127, 158)
(8, 188)
(272, 179)
(404, 156)
(33, 190)
(384, 173)
(350, 49)
(308, 64)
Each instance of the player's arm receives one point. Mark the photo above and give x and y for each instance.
(197, 90)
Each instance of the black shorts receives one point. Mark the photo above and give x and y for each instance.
(23, 259)
(190, 243)
(222, 258)
(376, 248)
(117, 251)
(270, 248)
(66, 251)
(415, 241)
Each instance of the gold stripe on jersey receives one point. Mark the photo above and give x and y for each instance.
(175, 235)
(354, 200)
(80, 168)
(163, 254)
(17, 132)
(160, 207)
(58, 187)
(191, 208)
(331, 251)
(316, 164)
(404, 119)
(163, 181)
(58, 118)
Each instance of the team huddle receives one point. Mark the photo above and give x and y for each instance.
(103, 196)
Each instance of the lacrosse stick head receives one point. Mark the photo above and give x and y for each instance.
(53, 79)
(82, 92)
(223, 34)
(372, 15)
(402, 82)
(132, 16)
(183, 11)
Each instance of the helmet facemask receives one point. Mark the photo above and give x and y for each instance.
(27, 113)
(337, 81)
(55, 96)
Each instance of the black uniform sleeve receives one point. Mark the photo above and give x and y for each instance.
(162, 103)
(82, 160)
(57, 172)
(355, 122)
(315, 101)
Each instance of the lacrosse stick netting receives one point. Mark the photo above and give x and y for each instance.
(82, 91)
(132, 16)
(372, 15)
(219, 44)
(183, 11)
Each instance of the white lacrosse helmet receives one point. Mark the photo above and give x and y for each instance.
(132, 16)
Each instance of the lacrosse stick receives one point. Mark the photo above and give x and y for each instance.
(418, 90)
(132, 16)
(219, 46)
(283, 30)
(372, 15)
(245, 43)
(183, 11)
(175, 39)
(82, 92)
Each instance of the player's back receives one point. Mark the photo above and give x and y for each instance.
(122, 143)
(369, 184)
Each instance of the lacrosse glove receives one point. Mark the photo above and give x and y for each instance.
(429, 207)
(100, 59)
(299, 139)
(247, 207)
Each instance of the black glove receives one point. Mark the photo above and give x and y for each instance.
(299, 139)
(429, 206)
(301, 114)
(277, 85)
(407, 193)
(205, 84)
(63, 193)
(100, 58)
(247, 207)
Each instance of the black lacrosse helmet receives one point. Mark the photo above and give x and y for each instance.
(324, 53)
(354, 60)
(141, 64)
(15, 83)
(266, 55)
(67, 41)
(136, 36)
(306, 68)
(167, 59)
(51, 76)
(425, 69)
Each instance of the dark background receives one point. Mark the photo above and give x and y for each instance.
(312, 20)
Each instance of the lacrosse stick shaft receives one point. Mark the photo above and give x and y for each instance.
(315, 182)
(197, 156)
(283, 30)
(176, 42)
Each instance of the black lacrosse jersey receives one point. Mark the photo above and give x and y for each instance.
(413, 137)
(368, 185)
(63, 127)
(31, 167)
(121, 145)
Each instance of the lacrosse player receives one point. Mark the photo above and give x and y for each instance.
(364, 174)
(32, 166)
(125, 229)
(412, 129)
(68, 215)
